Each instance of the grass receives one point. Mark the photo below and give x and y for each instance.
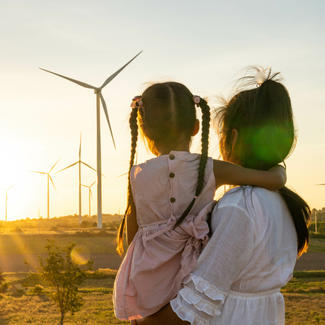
(305, 298)
(304, 295)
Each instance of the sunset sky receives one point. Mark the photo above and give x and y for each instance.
(203, 44)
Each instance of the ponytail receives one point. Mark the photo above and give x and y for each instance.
(300, 213)
(134, 138)
(204, 157)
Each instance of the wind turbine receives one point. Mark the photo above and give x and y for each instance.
(6, 204)
(49, 178)
(99, 100)
(79, 162)
(89, 192)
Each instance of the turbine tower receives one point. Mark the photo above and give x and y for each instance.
(79, 162)
(6, 203)
(49, 178)
(89, 193)
(99, 100)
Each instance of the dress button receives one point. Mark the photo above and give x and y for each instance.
(172, 199)
(171, 175)
(171, 156)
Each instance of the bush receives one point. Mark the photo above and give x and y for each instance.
(85, 224)
(59, 271)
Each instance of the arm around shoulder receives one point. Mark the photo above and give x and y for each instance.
(232, 174)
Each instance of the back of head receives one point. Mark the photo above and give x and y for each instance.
(167, 116)
(263, 120)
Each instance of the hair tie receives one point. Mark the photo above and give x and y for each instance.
(137, 102)
(262, 75)
(196, 99)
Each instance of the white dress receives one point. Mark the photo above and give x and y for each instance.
(250, 256)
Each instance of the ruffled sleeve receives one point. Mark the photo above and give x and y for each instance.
(218, 267)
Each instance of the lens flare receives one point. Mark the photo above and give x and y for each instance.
(80, 255)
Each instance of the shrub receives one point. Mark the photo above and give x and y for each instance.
(59, 271)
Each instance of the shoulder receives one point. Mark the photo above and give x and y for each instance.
(244, 197)
(256, 203)
(149, 166)
(236, 203)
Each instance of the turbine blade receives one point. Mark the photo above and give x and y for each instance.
(61, 170)
(54, 165)
(80, 83)
(107, 118)
(33, 171)
(320, 184)
(110, 78)
(52, 181)
(88, 166)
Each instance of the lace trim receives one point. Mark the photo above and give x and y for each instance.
(187, 314)
(199, 302)
(205, 287)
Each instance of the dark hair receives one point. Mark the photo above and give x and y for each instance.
(166, 117)
(263, 119)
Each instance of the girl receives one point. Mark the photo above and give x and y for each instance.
(169, 198)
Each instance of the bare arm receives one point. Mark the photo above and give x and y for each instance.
(131, 223)
(165, 316)
(228, 173)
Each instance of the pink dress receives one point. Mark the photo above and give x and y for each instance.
(160, 257)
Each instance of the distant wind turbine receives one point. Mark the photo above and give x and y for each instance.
(6, 203)
(49, 178)
(79, 162)
(90, 193)
(99, 100)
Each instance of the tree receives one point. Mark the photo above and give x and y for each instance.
(61, 273)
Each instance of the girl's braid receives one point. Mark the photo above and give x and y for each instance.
(204, 157)
(134, 138)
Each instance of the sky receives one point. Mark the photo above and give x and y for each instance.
(203, 44)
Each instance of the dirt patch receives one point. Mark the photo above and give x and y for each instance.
(311, 261)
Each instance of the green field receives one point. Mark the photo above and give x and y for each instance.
(304, 295)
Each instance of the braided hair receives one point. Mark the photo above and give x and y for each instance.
(205, 109)
(134, 138)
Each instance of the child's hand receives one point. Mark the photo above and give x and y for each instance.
(280, 174)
